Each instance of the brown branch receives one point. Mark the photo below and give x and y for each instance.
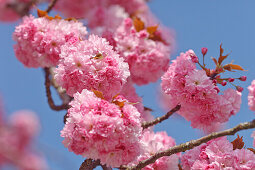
(89, 164)
(48, 93)
(162, 118)
(191, 144)
(51, 5)
(22, 8)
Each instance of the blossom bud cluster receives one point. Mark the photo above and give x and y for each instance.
(197, 94)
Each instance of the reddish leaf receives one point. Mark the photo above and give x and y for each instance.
(41, 13)
(222, 58)
(215, 61)
(138, 24)
(236, 67)
(251, 149)
(151, 30)
(99, 56)
(238, 143)
(99, 94)
(221, 50)
(118, 103)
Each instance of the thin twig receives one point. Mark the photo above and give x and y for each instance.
(22, 8)
(191, 144)
(48, 93)
(162, 118)
(51, 5)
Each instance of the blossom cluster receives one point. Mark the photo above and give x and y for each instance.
(251, 96)
(16, 137)
(218, 154)
(39, 40)
(98, 70)
(99, 129)
(198, 94)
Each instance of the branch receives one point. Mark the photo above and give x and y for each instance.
(161, 119)
(22, 8)
(90, 164)
(51, 5)
(191, 144)
(48, 93)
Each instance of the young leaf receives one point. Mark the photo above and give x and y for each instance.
(236, 67)
(238, 143)
(41, 13)
(151, 30)
(99, 94)
(138, 24)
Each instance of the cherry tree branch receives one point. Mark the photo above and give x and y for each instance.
(162, 118)
(51, 5)
(90, 164)
(191, 144)
(22, 8)
(51, 103)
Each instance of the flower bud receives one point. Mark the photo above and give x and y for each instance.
(217, 89)
(194, 58)
(231, 80)
(243, 78)
(224, 83)
(204, 51)
(238, 88)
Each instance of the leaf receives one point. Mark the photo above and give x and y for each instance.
(138, 24)
(151, 30)
(251, 149)
(222, 58)
(236, 67)
(215, 61)
(221, 50)
(118, 103)
(238, 143)
(41, 13)
(99, 56)
(99, 94)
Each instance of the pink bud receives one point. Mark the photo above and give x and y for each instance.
(238, 88)
(214, 81)
(231, 80)
(224, 83)
(204, 51)
(217, 89)
(243, 78)
(194, 59)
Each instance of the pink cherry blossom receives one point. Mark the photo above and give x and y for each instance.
(102, 130)
(91, 64)
(218, 154)
(253, 136)
(81, 9)
(16, 138)
(198, 95)
(39, 40)
(155, 142)
(148, 59)
(251, 96)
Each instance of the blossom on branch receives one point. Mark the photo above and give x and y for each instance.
(39, 40)
(98, 129)
(198, 94)
(91, 64)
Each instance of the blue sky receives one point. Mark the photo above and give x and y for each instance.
(197, 23)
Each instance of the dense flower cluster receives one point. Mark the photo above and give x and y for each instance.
(102, 130)
(81, 9)
(91, 64)
(148, 59)
(16, 141)
(251, 96)
(197, 94)
(155, 142)
(218, 154)
(39, 40)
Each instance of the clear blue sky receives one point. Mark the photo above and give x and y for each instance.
(197, 23)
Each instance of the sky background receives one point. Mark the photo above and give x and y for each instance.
(197, 23)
